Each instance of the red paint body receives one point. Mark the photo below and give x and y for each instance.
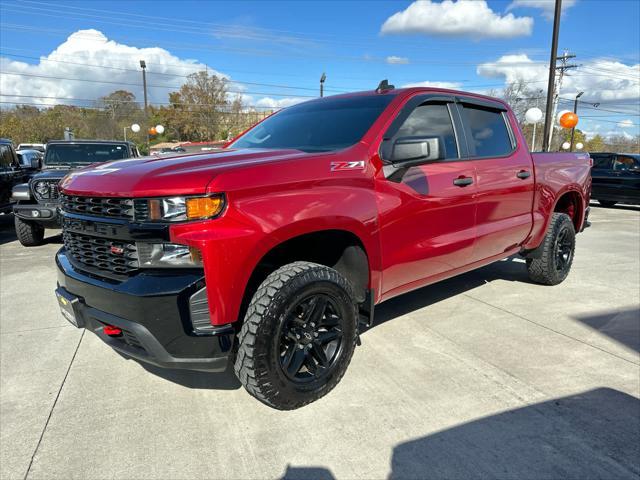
(415, 232)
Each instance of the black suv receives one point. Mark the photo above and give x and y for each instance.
(615, 178)
(38, 202)
(12, 172)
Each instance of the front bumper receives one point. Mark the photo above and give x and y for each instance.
(152, 310)
(45, 214)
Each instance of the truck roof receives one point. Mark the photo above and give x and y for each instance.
(84, 141)
(411, 90)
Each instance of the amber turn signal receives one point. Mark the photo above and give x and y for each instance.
(204, 207)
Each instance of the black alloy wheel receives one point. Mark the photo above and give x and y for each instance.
(311, 339)
(553, 262)
(298, 335)
(564, 249)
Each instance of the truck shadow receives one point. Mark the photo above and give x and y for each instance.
(621, 325)
(226, 380)
(511, 269)
(592, 434)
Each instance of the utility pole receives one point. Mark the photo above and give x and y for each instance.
(563, 67)
(322, 79)
(575, 110)
(548, 120)
(143, 65)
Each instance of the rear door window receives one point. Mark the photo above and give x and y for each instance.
(623, 162)
(489, 133)
(6, 157)
(602, 162)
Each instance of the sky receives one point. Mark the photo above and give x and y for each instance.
(274, 52)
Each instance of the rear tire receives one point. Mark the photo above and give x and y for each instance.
(607, 203)
(558, 249)
(298, 336)
(30, 234)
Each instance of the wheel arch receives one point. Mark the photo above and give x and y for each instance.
(338, 248)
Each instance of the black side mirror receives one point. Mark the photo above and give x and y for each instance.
(407, 151)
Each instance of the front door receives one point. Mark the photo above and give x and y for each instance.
(427, 212)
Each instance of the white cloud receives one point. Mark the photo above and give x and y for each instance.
(547, 6)
(469, 18)
(93, 48)
(626, 124)
(451, 85)
(276, 103)
(601, 80)
(165, 73)
(393, 60)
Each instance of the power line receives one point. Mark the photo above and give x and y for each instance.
(138, 85)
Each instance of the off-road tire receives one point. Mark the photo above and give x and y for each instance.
(30, 234)
(545, 270)
(257, 362)
(607, 203)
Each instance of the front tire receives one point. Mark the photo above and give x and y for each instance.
(30, 234)
(607, 203)
(298, 336)
(558, 249)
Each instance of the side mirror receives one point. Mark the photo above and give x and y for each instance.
(35, 163)
(407, 151)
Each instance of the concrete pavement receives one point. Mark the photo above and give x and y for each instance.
(482, 376)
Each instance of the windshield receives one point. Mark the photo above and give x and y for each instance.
(317, 126)
(84, 153)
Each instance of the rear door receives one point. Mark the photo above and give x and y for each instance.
(505, 180)
(603, 178)
(625, 168)
(8, 172)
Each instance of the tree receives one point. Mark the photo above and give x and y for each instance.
(596, 144)
(199, 106)
(121, 110)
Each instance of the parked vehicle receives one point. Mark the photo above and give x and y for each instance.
(32, 146)
(37, 206)
(616, 178)
(30, 159)
(269, 253)
(12, 172)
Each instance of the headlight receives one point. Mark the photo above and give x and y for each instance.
(167, 255)
(42, 189)
(178, 209)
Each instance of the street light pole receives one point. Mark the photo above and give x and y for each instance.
(143, 65)
(575, 110)
(322, 79)
(548, 120)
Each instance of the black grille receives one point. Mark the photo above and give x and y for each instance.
(99, 206)
(101, 255)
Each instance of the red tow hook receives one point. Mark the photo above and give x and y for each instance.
(112, 331)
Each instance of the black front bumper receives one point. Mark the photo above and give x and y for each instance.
(46, 215)
(152, 310)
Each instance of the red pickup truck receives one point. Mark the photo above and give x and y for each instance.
(271, 253)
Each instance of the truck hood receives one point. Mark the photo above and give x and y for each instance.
(50, 174)
(167, 175)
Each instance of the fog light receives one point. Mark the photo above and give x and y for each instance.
(35, 213)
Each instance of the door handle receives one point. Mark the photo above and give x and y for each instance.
(523, 174)
(463, 181)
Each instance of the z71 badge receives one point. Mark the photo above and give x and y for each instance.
(338, 166)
